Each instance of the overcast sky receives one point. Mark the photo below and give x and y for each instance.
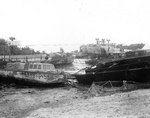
(51, 24)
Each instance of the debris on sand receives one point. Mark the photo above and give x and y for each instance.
(73, 102)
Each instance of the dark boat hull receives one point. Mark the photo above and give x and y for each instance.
(138, 75)
(29, 78)
(121, 62)
(8, 80)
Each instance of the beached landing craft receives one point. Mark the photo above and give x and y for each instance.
(135, 69)
(31, 74)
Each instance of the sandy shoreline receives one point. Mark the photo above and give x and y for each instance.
(72, 103)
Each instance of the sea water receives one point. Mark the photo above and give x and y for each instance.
(78, 65)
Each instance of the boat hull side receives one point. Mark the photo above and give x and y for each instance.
(33, 78)
(138, 75)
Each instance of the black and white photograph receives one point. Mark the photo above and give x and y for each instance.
(74, 59)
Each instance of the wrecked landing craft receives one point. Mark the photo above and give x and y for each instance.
(130, 69)
(31, 74)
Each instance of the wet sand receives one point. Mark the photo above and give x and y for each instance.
(67, 102)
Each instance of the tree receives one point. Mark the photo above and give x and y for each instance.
(16, 50)
(43, 52)
(4, 49)
(37, 52)
(12, 47)
(27, 51)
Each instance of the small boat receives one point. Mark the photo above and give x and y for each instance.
(59, 59)
(62, 59)
(31, 74)
(130, 69)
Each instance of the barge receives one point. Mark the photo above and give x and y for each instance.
(129, 69)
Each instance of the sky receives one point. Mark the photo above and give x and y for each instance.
(50, 24)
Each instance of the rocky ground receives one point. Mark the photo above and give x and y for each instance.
(67, 102)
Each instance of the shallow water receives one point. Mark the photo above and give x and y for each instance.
(77, 66)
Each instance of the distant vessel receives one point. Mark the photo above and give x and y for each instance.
(62, 59)
(31, 74)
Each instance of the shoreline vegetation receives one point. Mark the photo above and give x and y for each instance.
(12, 47)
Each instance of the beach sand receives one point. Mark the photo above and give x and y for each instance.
(66, 102)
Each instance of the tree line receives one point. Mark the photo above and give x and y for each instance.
(6, 48)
